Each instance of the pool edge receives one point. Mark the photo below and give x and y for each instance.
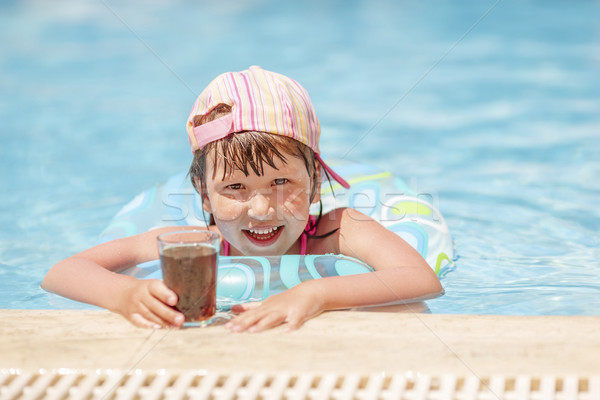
(341, 341)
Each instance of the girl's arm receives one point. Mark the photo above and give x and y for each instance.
(92, 277)
(400, 274)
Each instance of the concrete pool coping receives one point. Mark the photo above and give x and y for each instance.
(340, 341)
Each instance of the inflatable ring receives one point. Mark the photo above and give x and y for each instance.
(376, 193)
(244, 279)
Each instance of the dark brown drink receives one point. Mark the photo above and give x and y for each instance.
(190, 271)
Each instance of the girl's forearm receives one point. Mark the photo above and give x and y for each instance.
(389, 286)
(83, 280)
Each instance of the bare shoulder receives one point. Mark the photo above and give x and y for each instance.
(360, 236)
(332, 227)
(345, 217)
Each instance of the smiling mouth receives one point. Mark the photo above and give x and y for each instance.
(263, 237)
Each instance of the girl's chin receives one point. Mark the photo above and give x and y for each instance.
(254, 251)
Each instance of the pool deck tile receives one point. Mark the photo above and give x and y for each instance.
(341, 341)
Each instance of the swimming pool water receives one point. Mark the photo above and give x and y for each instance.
(493, 107)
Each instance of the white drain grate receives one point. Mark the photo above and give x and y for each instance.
(110, 384)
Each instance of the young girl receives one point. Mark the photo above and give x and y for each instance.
(255, 139)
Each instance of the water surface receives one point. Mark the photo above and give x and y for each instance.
(491, 106)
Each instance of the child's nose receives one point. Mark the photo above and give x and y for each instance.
(260, 207)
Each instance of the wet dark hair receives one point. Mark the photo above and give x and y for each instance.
(249, 151)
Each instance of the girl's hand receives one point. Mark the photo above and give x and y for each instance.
(148, 304)
(292, 307)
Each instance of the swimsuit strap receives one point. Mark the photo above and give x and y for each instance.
(303, 240)
(311, 229)
(225, 247)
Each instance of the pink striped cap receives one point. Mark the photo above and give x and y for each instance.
(260, 101)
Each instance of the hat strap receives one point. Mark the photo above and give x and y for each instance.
(332, 173)
(213, 130)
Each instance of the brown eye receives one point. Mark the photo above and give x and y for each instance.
(280, 181)
(235, 186)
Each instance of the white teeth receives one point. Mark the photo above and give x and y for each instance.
(263, 231)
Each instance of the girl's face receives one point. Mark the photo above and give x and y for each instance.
(261, 215)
